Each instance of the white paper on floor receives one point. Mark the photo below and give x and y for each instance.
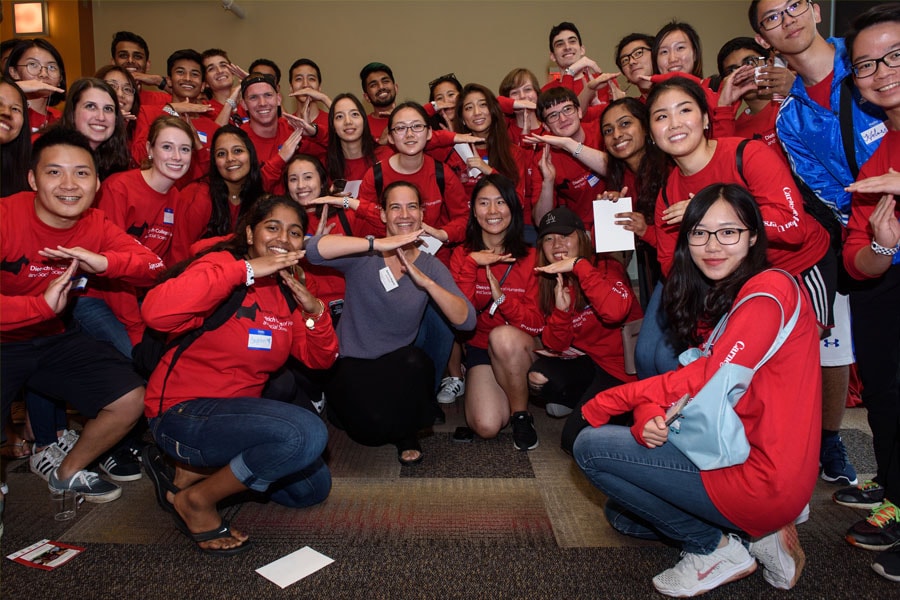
(294, 567)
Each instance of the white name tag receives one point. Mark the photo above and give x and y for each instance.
(387, 279)
(168, 216)
(593, 180)
(203, 137)
(874, 133)
(259, 339)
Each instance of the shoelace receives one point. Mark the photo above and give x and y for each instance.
(868, 485)
(88, 478)
(838, 449)
(883, 515)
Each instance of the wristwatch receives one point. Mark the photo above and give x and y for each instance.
(250, 279)
(497, 304)
(171, 111)
(371, 239)
(882, 251)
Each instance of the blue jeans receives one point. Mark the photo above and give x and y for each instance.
(658, 486)
(270, 446)
(99, 322)
(435, 337)
(654, 354)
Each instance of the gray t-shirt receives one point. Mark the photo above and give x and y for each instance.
(374, 321)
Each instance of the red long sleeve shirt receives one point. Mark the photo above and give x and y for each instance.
(236, 359)
(781, 409)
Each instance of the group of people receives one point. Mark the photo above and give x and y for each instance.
(252, 262)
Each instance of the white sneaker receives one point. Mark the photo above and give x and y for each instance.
(781, 557)
(45, 462)
(451, 389)
(67, 440)
(803, 517)
(698, 573)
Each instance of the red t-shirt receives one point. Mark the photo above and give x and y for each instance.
(205, 127)
(576, 186)
(24, 314)
(820, 93)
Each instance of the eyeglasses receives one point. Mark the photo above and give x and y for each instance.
(635, 54)
(441, 79)
(124, 88)
(750, 61)
(402, 129)
(867, 68)
(553, 117)
(726, 237)
(34, 68)
(793, 10)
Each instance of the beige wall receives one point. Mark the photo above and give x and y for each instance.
(478, 40)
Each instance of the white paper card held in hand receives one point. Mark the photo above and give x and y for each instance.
(609, 237)
(294, 567)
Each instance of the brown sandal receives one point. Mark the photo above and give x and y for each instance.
(20, 449)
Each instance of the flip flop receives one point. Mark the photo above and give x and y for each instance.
(156, 468)
(16, 450)
(410, 444)
(223, 531)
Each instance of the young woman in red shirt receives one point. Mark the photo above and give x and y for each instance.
(37, 66)
(495, 270)
(351, 149)
(92, 107)
(654, 491)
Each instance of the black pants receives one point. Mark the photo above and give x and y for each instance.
(876, 338)
(385, 400)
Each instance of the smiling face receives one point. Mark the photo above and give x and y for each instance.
(124, 92)
(12, 113)
(402, 212)
(232, 158)
(187, 79)
(566, 49)
(675, 53)
(623, 134)
(677, 124)
(66, 182)
(715, 260)
(563, 119)
(348, 120)
(380, 89)
(261, 102)
(216, 73)
(409, 142)
(95, 115)
(643, 65)
(130, 56)
(475, 113)
(447, 92)
(279, 233)
(557, 247)
(882, 88)
(303, 182)
(491, 211)
(170, 153)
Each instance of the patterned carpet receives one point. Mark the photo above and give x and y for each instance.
(475, 520)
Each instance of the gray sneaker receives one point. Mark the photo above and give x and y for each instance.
(45, 462)
(88, 484)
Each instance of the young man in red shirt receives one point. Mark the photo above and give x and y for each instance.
(130, 51)
(380, 90)
(47, 238)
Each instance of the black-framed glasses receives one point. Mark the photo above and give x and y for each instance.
(749, 61)
(727, 236)
(441, 79)
(793, 10)
(402, 129)
(635, 54)
(34, 68)
(124, 88)
(867, 68)
(566, 111)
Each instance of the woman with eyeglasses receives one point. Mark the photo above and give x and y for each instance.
(125, 87)
(724, 520)
(37, 66)
(679, 123)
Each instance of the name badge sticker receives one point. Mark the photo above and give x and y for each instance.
(168, 216)
(874, 133)
(387, 279)
(203, 137)
(593, 180)
(259, 339)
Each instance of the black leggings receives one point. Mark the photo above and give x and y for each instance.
(385, 400)
(572, 382)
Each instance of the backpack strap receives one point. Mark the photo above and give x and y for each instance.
(846, 119)
(439, 175)
(739, 160)
(379, 181)
(345, 223)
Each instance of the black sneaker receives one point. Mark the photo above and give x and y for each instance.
(121, 465)
(880, 531)
(88, 484)
(866, 495)
(524, 435)
(887, 564)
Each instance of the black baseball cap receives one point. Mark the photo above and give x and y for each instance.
(257, 78)
(560, 220)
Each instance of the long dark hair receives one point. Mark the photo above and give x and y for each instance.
(16, 55)
(692, 36)
(323, 180)
(653, 169)
(547, 283)
(102, 72)
(112, 155)
(690, 299)
(499, 148)
(252, 188)
(334, 156)
(688, 86)
(514, 239)
(16, 154)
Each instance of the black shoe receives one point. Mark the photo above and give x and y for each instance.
(887, 564)
(867, 494)
(880, 531)
(439, 417)
(524, 435)
(121, 465)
